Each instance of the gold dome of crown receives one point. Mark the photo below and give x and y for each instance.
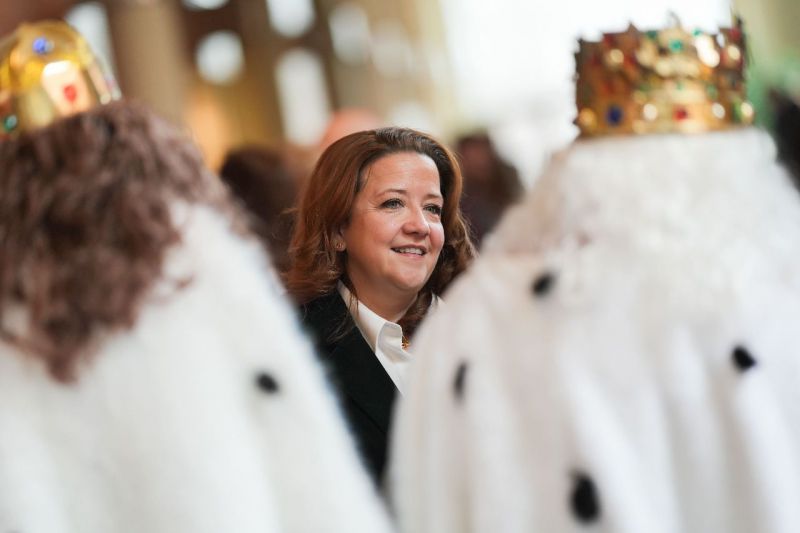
(48, 71)
(662, 81)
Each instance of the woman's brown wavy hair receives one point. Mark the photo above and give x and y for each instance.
(328, 198)
(85, 224)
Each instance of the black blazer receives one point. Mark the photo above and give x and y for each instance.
(365, 390)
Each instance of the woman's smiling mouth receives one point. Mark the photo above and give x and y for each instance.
(409, 250)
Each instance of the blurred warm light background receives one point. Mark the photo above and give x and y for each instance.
(276, 72)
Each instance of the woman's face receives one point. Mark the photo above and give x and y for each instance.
(395, 233)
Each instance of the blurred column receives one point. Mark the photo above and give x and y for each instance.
(438, 79)
(150, 53)
(398, 68)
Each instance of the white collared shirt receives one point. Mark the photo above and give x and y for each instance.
(385, 338)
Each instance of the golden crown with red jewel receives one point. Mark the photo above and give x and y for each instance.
(47, 72)
(662, 81)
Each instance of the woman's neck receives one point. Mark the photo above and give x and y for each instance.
(392, 313)
(391, 309)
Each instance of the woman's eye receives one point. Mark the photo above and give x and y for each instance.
(392, 204)
(435, 209)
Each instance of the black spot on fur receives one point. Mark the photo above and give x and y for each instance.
(584, 501)
(458, 382)
(543, 284)
(267, 383)
(742, 358)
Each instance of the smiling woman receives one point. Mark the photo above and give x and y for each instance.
(395, 234)
(379, 236)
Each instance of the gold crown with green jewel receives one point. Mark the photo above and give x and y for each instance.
(671, 80)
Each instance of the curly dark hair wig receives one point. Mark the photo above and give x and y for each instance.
(85, 224)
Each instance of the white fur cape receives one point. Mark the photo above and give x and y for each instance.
(624, 358)
(210, 415)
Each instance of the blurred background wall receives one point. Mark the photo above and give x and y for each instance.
(276, 71)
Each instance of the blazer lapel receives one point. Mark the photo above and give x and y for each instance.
(363, 378)
(354, 366)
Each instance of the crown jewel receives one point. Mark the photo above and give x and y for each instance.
(662, 81)
(48, 71)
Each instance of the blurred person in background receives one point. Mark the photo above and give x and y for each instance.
(345, 121)
(151, 379)
(260, 180)
(490, 184)
(378, 237)
(624, 355)
(787, 131)
(342, 123)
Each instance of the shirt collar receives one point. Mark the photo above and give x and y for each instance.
(368, 321)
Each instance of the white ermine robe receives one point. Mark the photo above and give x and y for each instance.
(209, 416)
(624, 357)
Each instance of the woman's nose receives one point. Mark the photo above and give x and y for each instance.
(416, 222)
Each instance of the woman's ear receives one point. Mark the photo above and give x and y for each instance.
(338, 241)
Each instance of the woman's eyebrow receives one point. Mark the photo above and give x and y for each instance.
(404, 192)
(392, 190)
